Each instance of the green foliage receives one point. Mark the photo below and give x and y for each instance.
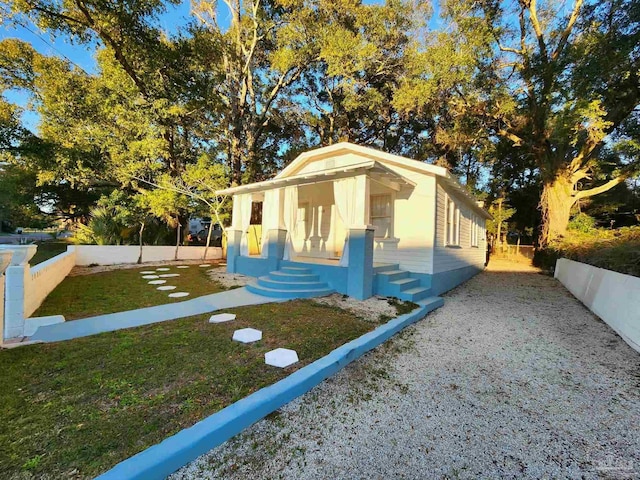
(582, 223)
(501, 212)
(617, 250)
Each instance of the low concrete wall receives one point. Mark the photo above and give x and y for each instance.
(116, 254)
(1, 308)
(42, 279)
(612, 296)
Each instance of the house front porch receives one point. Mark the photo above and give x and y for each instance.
(317, 234)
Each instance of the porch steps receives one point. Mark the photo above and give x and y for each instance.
(393, 282)
(290, 282)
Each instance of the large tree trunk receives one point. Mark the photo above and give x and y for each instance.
(555, 203)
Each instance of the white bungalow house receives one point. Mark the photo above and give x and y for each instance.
(358, 221)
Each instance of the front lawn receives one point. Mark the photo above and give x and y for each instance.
(119, 290)
(74, 409)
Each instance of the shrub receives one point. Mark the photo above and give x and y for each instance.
(582, 223)
(617, 250)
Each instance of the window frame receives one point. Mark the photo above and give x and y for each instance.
(452, 223)
(391, 218)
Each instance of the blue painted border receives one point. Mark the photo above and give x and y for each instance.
(445, 281)
(160, 460)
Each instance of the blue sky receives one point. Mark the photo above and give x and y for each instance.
(171, 21)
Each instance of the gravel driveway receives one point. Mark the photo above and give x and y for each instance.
(512, 378)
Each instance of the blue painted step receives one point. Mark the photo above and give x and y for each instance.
(399, 283)
(290, 282)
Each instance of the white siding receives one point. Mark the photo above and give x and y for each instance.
(413, 227)
(445, 257)
(414, 210)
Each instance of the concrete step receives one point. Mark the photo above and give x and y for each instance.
(391, 275)
(288, 294)
(296, 270)
(268, 282)
(415, 294)
(396, 287)
(386, 268)
(281, 276)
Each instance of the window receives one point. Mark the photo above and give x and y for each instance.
(474, 230)
(452, 234)
(381, 215)
(256, 213)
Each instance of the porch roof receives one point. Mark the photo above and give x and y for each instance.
(375, 170)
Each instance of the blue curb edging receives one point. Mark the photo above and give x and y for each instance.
(159, 461)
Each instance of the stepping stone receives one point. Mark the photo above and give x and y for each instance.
(281, 357)
(168, 275)
(247, 335)
(205, 265)
(148, 272)
(182, 266)
(157, 282)
(222, 317)
(166, 287)
(150, 277)
(178, 294)
(163, 269)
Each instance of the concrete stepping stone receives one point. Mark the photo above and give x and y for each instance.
(281, 357)
(168, 275)
(222, 317)
(178, 294)
(166, 287)
(182, 266)
(148, 272)
(162, 269)
(247, 335)
(157, 282)
(205, 265)
(150, 277)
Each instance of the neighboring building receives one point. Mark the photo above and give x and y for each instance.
(362, 222)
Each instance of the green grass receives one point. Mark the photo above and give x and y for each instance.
(47, 250)
(74, 409)
(119, 290)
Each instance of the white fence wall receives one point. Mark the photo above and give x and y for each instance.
(612, 296)
(116, 254)
(23, 289)
(42, 279)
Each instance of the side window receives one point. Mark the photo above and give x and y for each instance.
(452, 234)
(382, 215)
(474, 230)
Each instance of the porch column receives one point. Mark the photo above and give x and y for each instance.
(363, 189)
(274, 233)
(234, 238)
(360, 268)
(275, 242)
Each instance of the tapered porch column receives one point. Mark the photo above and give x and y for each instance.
(360, 268)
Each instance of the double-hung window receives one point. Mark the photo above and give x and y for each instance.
(452, 234)
(474, 230)
(382, 215)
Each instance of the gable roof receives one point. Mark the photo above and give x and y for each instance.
(378, 158)
(383, 157)
(348, 147)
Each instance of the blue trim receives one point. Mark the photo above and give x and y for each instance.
(445, 281)
(255, 266)
(172, 453)
(333, 275)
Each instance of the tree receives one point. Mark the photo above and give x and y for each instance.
(559, 87)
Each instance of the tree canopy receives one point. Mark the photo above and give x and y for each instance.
(535, 102)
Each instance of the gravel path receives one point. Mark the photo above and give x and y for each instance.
(512, 378)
